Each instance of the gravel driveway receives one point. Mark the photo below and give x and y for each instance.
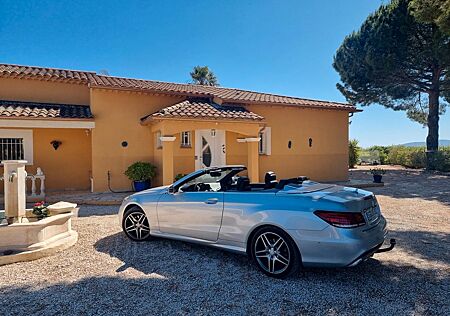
(106, 274)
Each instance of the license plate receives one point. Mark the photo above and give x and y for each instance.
(371, 214)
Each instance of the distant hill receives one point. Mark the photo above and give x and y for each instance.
(442, 142)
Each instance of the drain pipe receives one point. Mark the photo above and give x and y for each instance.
(109, 185)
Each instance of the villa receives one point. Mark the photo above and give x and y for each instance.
(84, 129)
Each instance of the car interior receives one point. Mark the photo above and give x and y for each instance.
(229, 180)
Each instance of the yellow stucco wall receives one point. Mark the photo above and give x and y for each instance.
(326, 160)
(117, 115)
(43, 91)
(67, 168)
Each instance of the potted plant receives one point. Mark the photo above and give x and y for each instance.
(141, 173)
(377, 174)
(179, 176)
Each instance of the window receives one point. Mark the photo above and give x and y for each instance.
(16, 145)
(158, 140)
(265, 140)
(186, 139)
(11, 149)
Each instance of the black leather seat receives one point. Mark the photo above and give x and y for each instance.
(270, 180)
(243, 184)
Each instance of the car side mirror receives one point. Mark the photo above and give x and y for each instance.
(171, 189)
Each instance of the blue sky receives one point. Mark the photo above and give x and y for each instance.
(283, 47)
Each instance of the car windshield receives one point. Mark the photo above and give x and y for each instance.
(210, 181)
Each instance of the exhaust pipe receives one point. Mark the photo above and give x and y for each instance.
(392, 242)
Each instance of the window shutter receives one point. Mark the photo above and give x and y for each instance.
(268, 140)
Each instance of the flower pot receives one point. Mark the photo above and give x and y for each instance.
(141, 185)
(377, 178)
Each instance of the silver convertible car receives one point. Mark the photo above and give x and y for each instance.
(281, 225)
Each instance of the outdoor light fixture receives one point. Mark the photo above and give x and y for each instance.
(56, 144)
(213, 133)
(124, 143)
(310, 142)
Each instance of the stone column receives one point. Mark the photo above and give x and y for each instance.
(15, 194)
(167, 159)
(253, 158)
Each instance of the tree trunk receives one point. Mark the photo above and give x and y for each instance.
(433, 128)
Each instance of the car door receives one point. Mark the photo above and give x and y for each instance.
(191, 214)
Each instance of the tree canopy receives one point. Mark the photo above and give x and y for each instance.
(432, 11)
(399, 62)
(204, 76)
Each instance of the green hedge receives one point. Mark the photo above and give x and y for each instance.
(415, 157)
(410, 157)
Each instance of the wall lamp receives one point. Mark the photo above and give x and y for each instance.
(56, 144)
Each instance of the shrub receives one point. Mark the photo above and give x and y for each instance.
(353, 153)
(443, 159)
(382, 152)
(416, 159)
(141, 171)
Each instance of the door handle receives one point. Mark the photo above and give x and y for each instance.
(212, 201)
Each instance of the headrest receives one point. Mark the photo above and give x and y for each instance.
(270, 177)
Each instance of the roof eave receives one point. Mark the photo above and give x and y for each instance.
(151, 119)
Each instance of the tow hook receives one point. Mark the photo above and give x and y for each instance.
(392, 242)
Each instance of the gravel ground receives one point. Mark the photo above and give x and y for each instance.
(106, 274)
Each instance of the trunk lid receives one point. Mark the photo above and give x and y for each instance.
(353, 199)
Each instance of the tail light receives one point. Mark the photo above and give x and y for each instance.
(342, 219)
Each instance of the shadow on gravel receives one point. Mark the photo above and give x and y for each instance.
(424, 244)
(411, 184)
(193, 279)
(153, 256)
(97, 210)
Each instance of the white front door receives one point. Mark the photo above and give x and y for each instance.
(209, 148)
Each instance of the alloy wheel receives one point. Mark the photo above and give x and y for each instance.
(272, 253)
(136, 226)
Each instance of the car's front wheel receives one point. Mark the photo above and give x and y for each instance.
(274, 252)
(135, 224)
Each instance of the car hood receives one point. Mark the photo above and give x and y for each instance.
(157, 190)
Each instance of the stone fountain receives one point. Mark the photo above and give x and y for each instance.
(23, 236)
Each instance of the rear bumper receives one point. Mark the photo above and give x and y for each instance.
(371, 252)
(339, 247)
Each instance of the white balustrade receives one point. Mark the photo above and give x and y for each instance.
(36, 179)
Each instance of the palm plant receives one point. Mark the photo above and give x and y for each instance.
(202, 75)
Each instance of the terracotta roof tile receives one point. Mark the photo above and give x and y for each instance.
(13, 109)
(18, 71)
(201, 108)
(228, 95)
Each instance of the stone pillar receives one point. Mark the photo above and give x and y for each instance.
(15, 194)
(253, 158)
(167, 159)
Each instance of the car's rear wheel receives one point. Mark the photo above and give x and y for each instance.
(135, 224)
(274, 252)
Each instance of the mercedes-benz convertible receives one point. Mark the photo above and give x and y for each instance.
(281, 225)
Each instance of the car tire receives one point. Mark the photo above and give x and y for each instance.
(274, 252)
(135, 224)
